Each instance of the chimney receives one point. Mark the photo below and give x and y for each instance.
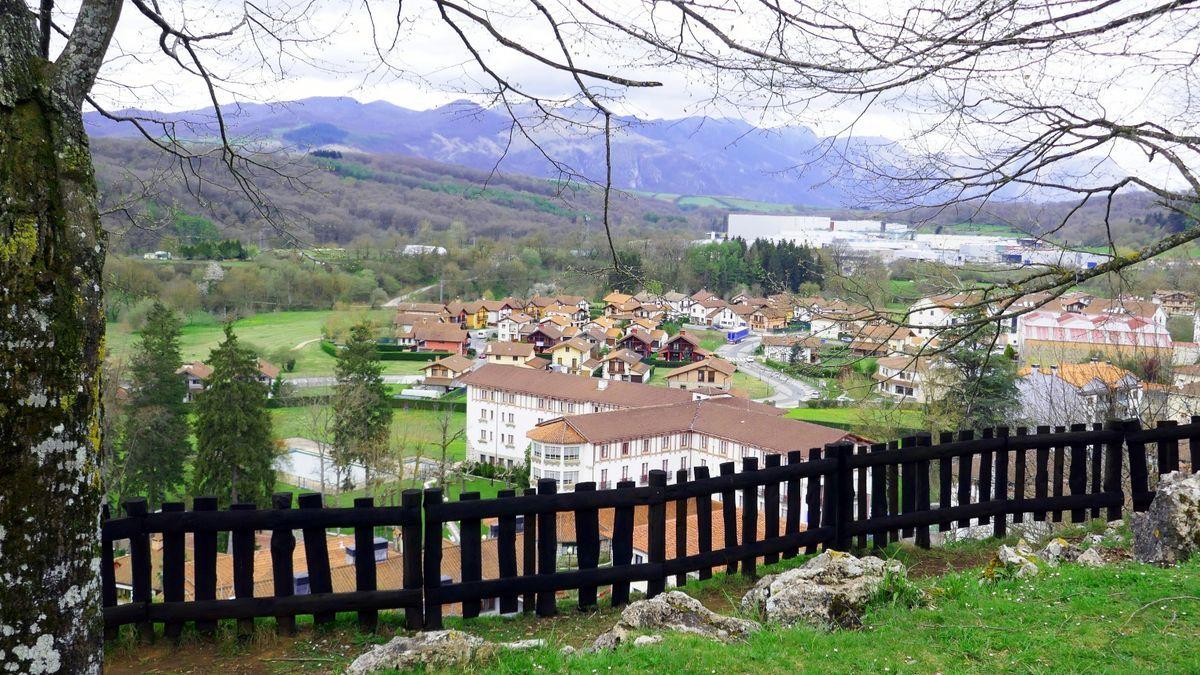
(601, 384)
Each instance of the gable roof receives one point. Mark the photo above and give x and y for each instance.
(440, 332)
(455, 362)
(1079, 375)
(508, 349)
(719, 365)
(572, 387)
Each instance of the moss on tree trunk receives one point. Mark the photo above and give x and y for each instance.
(52, 329)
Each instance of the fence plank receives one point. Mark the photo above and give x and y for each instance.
(922, 490)
(410, 534)
(283, 576)
(791, 523)
(1168, 449)
(964, 474)
(432, 570)
(1059, 474)
(529, 553)
(681, 517)
(204, 561)
(1139, 474)
(704, 522)
(547, 548)
(1041, 477)
(814, 499)
(985, 474)
(908, 485)
(749, 517)
(173, 569)
(1000, 493)
(1019, 473)
(1078, 472)
(861, 496)
(656, 531)
(771, 509)
(364, 565)
(893, 490)
(622, 545)
(1113, 460)
(587, 544)
(140, 564)
(879, 505)
(316, 552)
(843, 499)
(108, 580)
(1097, 461)
(242, 540)
(729, 517)
(506, 552)
(945, 480)
(470, 554)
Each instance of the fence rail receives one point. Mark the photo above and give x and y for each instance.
(835, 497)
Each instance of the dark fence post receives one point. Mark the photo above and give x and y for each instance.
(1113, 460)
(470, 554)
(529, 554)
(681, 518)
(1194, 444)
(729, 517)
(861, 496)
(410, 537)
(924, 440)
(791, 523)
(1041, 472)
(908, 486)
(813, 499)
(1019, 472)
(204, 543)
(108, 581)
(945, 480)
(242, 540)
(364, 564)
(879, 505)
(432, 569)
(1060, 460)
(749, 517)
(771, 509)
(1000, 526)
(1097, 469)
(316, 552)
(283, 574)
(622, 545)
(657, 532)
(1168, 449)
(172, 569)
(704, 522)
(1139, 473)
(587, 544)
(893, 491)
(1078, 473)
(844, 500)
(965, 460)
(547, 547)
(506, 552)
(139, 555)
(985, 474)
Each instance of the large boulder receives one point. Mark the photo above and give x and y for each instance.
(674, 611)
(435, 650)
(829, 591)
(1169, 531)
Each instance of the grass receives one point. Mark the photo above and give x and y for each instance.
(752, 386)
(1119, 618)
(908, 419)
(268, 333)
(417, 431)
(486, 487)
(709, 339)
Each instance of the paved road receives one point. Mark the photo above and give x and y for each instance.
(789, 392)
(329, 381)
(404, 298)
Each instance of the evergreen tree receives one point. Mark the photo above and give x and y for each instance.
(362, 412)
(977, 385)
(234, 450)
(155, 441)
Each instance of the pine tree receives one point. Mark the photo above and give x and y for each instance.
(155, 441)
(234, 450)
(362, 413)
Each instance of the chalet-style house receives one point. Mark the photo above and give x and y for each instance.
(1176, 303)
(510, 354)
(1061, 394)
(574, 357)
(711, 373)
(197, 373)
(682, 347)
(444, 373)
(626, 366)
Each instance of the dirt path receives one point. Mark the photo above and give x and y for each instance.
(304, 344)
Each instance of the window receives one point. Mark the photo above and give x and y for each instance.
(604, 451)
(625, 472)
(604, 477)
(664, 465)
(625, 449)
(645, 446)
(665, 443)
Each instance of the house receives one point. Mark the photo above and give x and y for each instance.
(933, 315)
(572, 356)
(197, 373)
(640, 343)
(769, 319)
(510, 354)
(445, 372)
(1176, 302)
(1061, 394)
(701, 310)
(441, 337)
(682, 347)
(404, 322)
(726, 317)
(1054, 336)
(626, 444)
(675, 303)
(508, 328)
(626, 366)
(894, 339)
(780, 348)
(543, 336)
(430, 308)
(711, 373)
(909, 379)
(616, 298)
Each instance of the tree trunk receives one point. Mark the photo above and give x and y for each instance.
(51, 343)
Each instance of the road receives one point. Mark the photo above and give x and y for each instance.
(405, 297)
(789, 392)
(329, 381)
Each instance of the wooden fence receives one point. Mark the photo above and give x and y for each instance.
(846, 496)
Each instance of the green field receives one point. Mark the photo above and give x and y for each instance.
(908, 419)
(750, 385)
(486, 487)
(267, 333)
(416, 431)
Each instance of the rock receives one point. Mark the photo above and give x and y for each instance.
(1012, 562)
(567, 650)
(829, 591)
(435, 650)
(522, 645)
(1090, 557)
(675, 611)
(1058, 551)
(1094, 539)
(644, 640)
(1169, 531)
